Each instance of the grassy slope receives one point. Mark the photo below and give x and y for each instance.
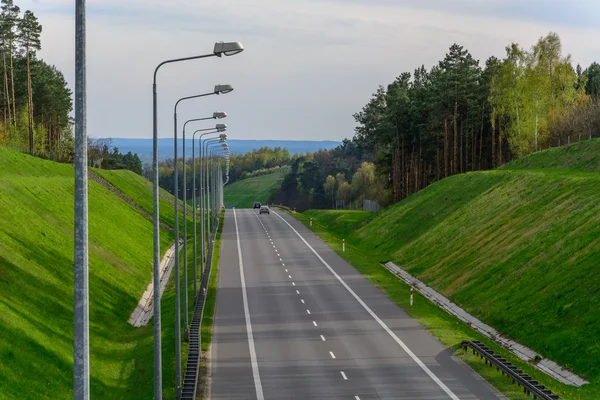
(243, 194)
(517, 247)
(36, 275)
(139, 190)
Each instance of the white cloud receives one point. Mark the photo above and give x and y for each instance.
(307, 67)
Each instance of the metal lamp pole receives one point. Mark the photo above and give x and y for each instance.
(207, 144)
(195, 206)
(185, 264)
(81, 343)
(204, 195)
(220, 49)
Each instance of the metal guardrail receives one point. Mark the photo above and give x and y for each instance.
(190, 380)
(280, 206)
(530, 386)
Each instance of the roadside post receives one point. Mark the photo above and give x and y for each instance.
(311, 222)
(343, 245)
(411, 296)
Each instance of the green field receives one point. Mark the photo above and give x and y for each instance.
(517, 247)
(36, 285)
(243, 194)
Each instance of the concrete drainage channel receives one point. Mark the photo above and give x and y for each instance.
(530, 386)
(190, 380)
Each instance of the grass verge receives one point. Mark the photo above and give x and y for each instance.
(448, 329)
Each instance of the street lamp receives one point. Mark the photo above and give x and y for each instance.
(194, 200)
(204, 196)
(219, 50)
(215, 115)
(216, 172)
(207, 152)
(219, 127)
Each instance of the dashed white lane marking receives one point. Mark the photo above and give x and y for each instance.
(308, 312)
(254, 362)
(344, 375)
(412, 355)
(290, 276)
(280, 258)
(286, 270)
(283, 264)
(297, 292)
(293, 283)
(315, 323)
(323, 338)
(356, 398)
(332, 355)
(302, 300)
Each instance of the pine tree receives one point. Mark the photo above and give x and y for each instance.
(29, 38)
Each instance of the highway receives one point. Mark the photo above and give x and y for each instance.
(295, 321)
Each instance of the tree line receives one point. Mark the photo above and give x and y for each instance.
(454, 117)
(241, 166)
(102, 154)
(35, 100)
(460, 116)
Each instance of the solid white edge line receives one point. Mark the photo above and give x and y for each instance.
(255, 373)
(412, 355)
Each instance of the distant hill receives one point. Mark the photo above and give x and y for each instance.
(143, 147)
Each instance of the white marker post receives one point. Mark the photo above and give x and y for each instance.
(204, 292)
(343, 245)
(411, 297)
(311, 222)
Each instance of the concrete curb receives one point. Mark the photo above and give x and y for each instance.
(547, 366)
(145, 308)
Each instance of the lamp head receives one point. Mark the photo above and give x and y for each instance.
(223, 89)
(223, 136)
(221, 127)
(227, 48)
(219, 115)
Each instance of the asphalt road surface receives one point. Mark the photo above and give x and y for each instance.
(295, 321)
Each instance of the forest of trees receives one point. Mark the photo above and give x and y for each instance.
(102, 154)
(459, 116)
(35, 101)
(454, 117)
(256, 162)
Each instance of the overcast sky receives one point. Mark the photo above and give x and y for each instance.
(308, 64)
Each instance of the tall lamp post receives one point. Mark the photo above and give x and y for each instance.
(217, 128)
(214, 152)
(194, 204)
(219, 89)
(204, 197)
(207, 144)
(81, 320)
(220, 49)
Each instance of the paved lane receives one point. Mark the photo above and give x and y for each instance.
(318, 335)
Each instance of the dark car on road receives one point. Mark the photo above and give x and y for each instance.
(256, 205)
(264, 210)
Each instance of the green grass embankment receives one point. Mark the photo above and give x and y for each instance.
(243, 194)
(36, 286)
(517, 247)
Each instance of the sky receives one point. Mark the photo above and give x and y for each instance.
(308, 65)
